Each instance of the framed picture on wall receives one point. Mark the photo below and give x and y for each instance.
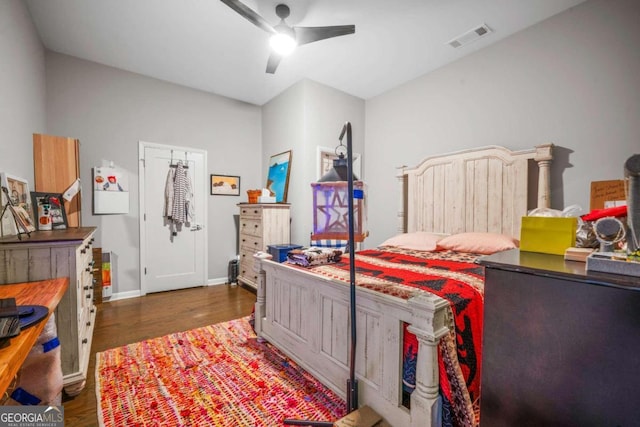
(278, 176)
(50, 211)
(225, 185)
(327, 155)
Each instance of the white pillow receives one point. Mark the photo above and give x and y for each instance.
(419, 241)
(479, 243)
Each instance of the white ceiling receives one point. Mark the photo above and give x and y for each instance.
(205, 45)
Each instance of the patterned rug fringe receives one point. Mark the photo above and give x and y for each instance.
(218, 375)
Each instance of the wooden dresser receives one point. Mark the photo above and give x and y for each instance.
(260, 225)
(560, 345)
(52, 254)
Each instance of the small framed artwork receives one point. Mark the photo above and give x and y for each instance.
(23, 219)
(18, 191)
(7, 224)
(50, 211)
(278, 177)
(225, 185)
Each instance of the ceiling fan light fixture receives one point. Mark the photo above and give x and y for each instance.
(284, 38)
(283, 42)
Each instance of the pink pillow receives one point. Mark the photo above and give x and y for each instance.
(479, 243)
(418, 241)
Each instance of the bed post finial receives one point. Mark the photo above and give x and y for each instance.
(544, 156)
(402, 199)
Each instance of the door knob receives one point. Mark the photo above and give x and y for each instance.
(196, 227)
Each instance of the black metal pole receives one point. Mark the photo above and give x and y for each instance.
(352, 384)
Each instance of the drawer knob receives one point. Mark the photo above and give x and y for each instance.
(256, 226)
(255, 211)
(86, 288)
(88, 269)
(89, 296)
(85, 340)
(88, 323)
(83, 251)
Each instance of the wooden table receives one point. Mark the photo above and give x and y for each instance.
(47, 293)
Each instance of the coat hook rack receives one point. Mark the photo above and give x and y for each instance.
(185, 163)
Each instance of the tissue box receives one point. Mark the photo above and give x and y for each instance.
(547, 235)
(266, 199)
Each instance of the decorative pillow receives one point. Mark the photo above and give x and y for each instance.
(480, 243)
(418, 241)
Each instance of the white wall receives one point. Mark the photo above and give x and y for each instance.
(22, 89)
(110, 110)
(306, 116)
(573, 80)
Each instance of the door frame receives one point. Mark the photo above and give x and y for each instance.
(142, 145)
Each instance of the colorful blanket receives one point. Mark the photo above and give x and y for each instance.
(452, 276)
(309, 257)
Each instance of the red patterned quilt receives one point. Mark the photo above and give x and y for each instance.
(453, 276)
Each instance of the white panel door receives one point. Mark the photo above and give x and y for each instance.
(171, 257)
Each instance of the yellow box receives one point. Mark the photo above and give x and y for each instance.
(547, 235)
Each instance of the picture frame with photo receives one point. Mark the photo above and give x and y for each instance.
(51, 213)
(7, 224)
(23, 219)
(19, 195)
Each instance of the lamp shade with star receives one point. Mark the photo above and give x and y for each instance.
(331, 205)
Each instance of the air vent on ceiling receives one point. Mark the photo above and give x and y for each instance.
(470, 36)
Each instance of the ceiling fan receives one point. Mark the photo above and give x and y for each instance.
(285, 38)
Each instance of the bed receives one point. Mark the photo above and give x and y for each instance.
(304, 312)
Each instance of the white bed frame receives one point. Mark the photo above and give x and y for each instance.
(307, 315)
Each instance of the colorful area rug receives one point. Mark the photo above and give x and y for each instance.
(219, 375)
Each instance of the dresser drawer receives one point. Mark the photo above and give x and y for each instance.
(250, 243)
(246, 267)
(251, 227)
(250, 212)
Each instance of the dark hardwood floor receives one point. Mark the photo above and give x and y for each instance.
(136, 319)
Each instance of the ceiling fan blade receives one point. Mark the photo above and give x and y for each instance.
(273, 62)
(250, 15)
(306, 35)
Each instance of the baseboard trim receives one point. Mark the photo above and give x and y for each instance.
(123, 295)
(135, 294)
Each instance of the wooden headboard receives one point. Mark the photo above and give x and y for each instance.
(481, 189)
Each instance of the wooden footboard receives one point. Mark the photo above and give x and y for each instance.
(307, 317)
